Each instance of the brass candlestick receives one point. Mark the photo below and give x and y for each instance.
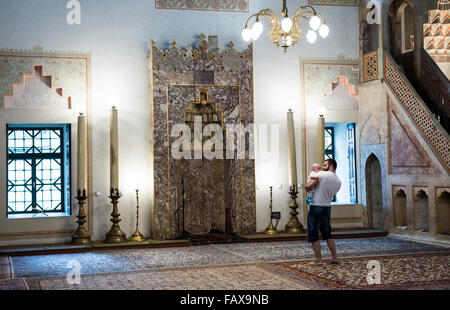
(294, 226)
(271, 230)
(137, 236)
(115, 235)
(81, 235)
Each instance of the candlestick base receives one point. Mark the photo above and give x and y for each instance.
(137, 236)
(81, 236)
(294, 226)
(115, 235)
(271, 230)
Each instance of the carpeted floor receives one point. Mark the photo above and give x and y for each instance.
(249, 266)
(5, 268)
(295, 250)
(123, 261)
(397, 272)
(235, 277)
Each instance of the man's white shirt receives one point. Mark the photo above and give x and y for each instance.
(329, 184)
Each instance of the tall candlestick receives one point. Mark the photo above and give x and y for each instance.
(293, 226)
(115, 235)
(81, 153)
(137, 236)
(114, 150)
(81, 235)
(292, 159)
(271, 230)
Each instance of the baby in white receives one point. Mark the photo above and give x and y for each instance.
(312, 176)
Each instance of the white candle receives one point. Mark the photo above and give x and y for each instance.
(320, 140)
(81, 153)
(292, 158)
(114, 150)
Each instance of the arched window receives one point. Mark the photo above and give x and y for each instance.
(402, 25)
(407, 16)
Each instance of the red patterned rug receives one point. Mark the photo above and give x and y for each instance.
(13, 284)
(5, 268)
(413, 271)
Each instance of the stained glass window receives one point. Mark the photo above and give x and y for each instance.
(38, 169)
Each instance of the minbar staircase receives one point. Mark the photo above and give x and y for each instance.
(430, 116)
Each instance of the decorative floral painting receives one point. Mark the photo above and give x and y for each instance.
(335, 2)
(204, 5)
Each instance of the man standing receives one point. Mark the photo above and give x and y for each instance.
(325, 186)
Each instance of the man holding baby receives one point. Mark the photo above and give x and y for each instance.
(325, 185)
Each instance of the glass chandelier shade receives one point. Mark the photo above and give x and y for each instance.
(287, 31)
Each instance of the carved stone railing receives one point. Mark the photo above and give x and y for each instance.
(370, 66)
(420, 115)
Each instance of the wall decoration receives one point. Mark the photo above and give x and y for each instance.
(335, 2)
(402, 141)
(219, 193)
(62, 77)
(205, 5)
(320, 79)
(67, 71)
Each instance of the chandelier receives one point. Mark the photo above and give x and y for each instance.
(288, 31)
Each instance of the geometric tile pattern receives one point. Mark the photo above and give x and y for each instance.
(436, 138)
(370, 66)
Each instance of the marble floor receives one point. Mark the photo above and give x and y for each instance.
(265, 265)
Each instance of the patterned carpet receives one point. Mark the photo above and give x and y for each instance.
(295, 250)
(13, 285)
(397, 272)
(122, 261)
(239, 266)
(236, 277)
(5, 268)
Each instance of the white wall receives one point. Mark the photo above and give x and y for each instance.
(118, 33)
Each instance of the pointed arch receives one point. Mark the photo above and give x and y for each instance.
(374, 192)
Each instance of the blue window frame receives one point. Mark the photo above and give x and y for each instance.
(38, 168)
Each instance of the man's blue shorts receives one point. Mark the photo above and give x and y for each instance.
(319, 220)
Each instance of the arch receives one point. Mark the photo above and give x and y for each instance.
(421, 211)
(374, 192)
(402, 27)
(443, 212)
(399, 207)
